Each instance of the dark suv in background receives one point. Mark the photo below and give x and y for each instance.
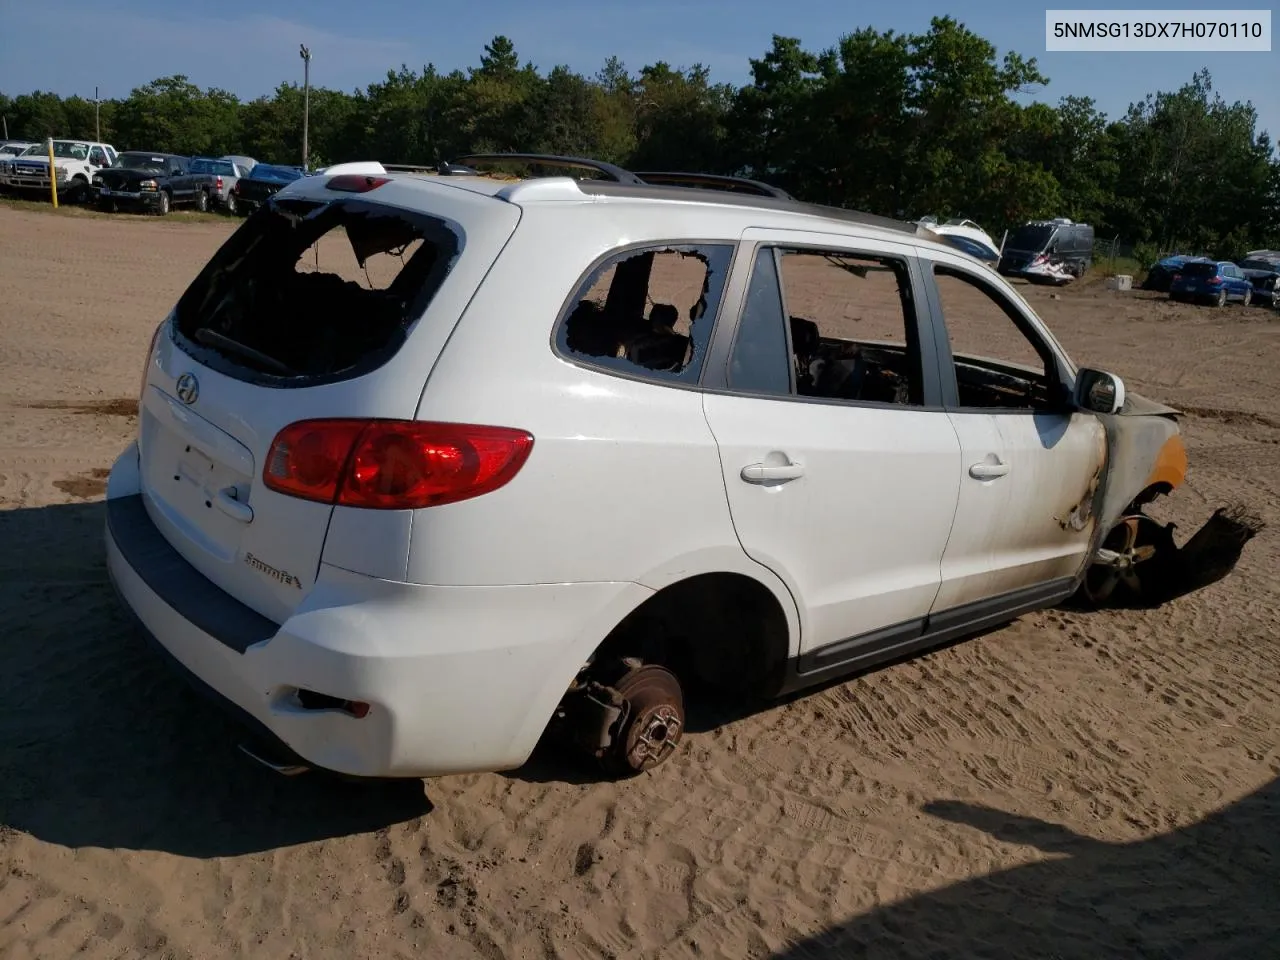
(1059, 242)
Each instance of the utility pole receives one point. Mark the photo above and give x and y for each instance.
(306, 97)
(97, 126)
(6, 128)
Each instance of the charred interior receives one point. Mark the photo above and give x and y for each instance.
(990, 348)
(316, 290)
(859, 344)
(649, 311)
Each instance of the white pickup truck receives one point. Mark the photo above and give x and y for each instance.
(75, 162)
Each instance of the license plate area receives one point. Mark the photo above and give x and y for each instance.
(194, 467)
(186, 478)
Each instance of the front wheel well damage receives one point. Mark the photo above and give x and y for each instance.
(724, 629)
(1156, 490)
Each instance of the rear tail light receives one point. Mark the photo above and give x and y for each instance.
(146, 364)
(392, 464)
(218, 184)
(1213, 281)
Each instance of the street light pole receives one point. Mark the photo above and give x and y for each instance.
(97, 126)
(306, 98)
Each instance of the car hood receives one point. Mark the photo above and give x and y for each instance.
(1136, 405)
(121, 176)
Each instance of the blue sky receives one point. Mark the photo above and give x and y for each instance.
(68, 46)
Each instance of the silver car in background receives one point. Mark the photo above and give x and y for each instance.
(226, 171)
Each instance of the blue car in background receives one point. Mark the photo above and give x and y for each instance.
(263, 181)
(1160, 276)
(1210, 281)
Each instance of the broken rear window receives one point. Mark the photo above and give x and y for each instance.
(1031, 237)
(310, 292)
(648, 312)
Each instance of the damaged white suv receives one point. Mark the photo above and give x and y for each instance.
(430, 466)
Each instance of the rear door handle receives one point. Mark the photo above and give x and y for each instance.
(765, 473)
(986, 470)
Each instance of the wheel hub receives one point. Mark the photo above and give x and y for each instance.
(629, 716)
(653, 736)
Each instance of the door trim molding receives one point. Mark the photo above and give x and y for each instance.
(888, 643)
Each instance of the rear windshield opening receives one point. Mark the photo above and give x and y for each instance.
(309, 290)
(221, 168)
(1032, 238)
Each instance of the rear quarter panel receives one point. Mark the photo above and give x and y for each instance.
(624, 481)
(372, 542)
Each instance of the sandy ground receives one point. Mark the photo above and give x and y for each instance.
(1072, 786)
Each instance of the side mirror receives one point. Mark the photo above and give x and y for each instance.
(1099, 391)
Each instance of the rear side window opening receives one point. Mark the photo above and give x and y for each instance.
(647, 312)
(309, 292)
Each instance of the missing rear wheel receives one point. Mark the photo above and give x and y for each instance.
(650, 729)
(628, 715)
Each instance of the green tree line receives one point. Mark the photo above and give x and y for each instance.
(900, 124)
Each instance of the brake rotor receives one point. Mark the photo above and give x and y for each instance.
(653, 723)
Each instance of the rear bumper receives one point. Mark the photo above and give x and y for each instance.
(458, 678)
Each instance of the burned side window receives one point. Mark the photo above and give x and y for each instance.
(311, 291)
(997, 362)
(852, 320)
(648, 312)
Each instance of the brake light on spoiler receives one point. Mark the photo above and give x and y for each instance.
(393, 464)
(355, 183)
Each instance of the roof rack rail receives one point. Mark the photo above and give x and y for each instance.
(613, 172)
(715, 181)
(442, 168)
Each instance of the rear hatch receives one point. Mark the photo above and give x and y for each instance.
(322, 305)
(1198, 278)
(1023, 246)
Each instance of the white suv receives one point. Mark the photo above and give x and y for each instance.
(428, 464)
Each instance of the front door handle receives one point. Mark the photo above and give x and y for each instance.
(986, 470)
(767, 472)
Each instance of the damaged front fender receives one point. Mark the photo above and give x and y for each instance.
(1147, 458)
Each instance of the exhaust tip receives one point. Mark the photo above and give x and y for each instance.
(284, 769)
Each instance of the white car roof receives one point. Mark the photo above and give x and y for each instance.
(734, 211)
